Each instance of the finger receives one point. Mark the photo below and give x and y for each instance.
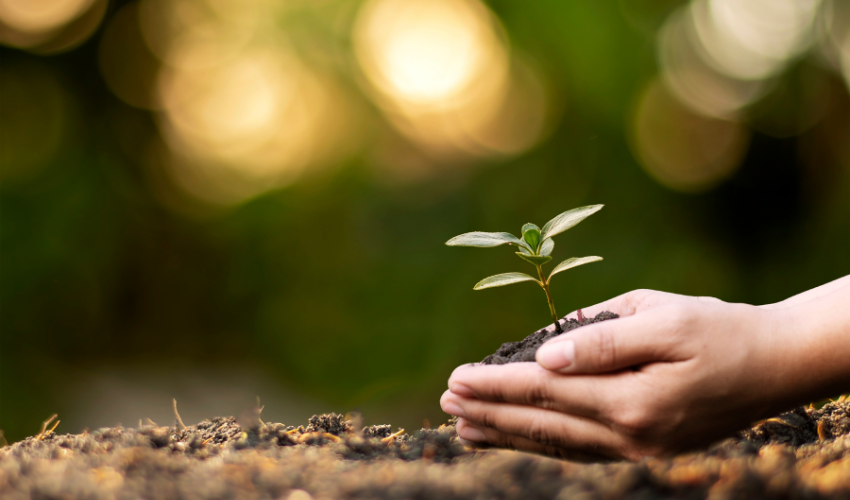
(479, 436)
(622, 305)
(628, 304)
(615, 344)
(530, 384)
(546, 427)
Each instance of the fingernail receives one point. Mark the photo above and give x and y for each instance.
(556, 355)
(461, 390)
(471, 434)
(453, 409)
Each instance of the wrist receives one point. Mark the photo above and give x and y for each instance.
(813, 344)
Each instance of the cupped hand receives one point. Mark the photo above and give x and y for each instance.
(672, 373)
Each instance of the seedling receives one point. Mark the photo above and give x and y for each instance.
(535, 247)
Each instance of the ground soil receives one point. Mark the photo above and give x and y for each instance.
(800, 454)
(804, 453)
(524, 350)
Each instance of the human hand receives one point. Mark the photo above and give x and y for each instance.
(672, 373)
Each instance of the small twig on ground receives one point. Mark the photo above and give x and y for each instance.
(303, 438)
(390, 438)
(176, 414)
(151, 422)
(44, 426)
(260, 411)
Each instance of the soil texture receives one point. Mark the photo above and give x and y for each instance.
(524, 350)
(804, 453)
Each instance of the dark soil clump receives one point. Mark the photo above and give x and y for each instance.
(524, 350)
(804, 453)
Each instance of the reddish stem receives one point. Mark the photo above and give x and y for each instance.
(580, 316)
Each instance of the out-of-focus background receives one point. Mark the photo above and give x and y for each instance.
(216, 200)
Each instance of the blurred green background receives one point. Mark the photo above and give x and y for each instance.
(215, 200)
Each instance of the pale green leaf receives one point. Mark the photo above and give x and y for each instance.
(547, 247)
(482, 239)
(571, 263)
(502, 280)
(537, 260)
(567, 220)
(531, 235)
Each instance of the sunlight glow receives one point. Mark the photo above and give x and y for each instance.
(39, 16)
(693, 81)
(197, 34)
(257, 121)
(755, 38)
(835, 34)
(239, 110)
(49, 26)
(718, 56)
(428, 51)
(441, 71)
(681, 149)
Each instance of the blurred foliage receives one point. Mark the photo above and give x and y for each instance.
(339, 284)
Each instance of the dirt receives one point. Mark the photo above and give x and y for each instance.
(524, 350)
(804, 453)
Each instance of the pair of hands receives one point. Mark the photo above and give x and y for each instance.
(672, 373)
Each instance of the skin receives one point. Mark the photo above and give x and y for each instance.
(673, 373)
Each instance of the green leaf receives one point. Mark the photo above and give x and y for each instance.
(502, 280)
(531, 235)
(573, 262)
(537, 260)
(525, 250)
(567, 220)
(547, 247)
(482, 239)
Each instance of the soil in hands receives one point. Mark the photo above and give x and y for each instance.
(524, 350)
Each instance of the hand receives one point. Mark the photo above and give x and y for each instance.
(671, 374)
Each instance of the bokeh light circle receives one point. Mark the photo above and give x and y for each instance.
(694, 82)
(260, 118)
(49, 26)
(442, 73)
(681, 149)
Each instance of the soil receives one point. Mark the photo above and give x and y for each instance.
(524, 350)
(804, 453)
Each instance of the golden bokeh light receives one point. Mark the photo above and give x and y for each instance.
(835, 35)
(429, 52)
(40, 16)
(257, 121)
(442, 73)
(753, 39)
(49, 26)
(680, 149)
(720, 56)
(694, 82)
(238, 109)
(198, 34)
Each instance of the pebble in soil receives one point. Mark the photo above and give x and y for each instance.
(804, 453)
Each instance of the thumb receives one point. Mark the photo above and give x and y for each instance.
(606, 346)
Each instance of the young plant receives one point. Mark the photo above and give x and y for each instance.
(535, 247)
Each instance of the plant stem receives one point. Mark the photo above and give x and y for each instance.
(545, 284)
